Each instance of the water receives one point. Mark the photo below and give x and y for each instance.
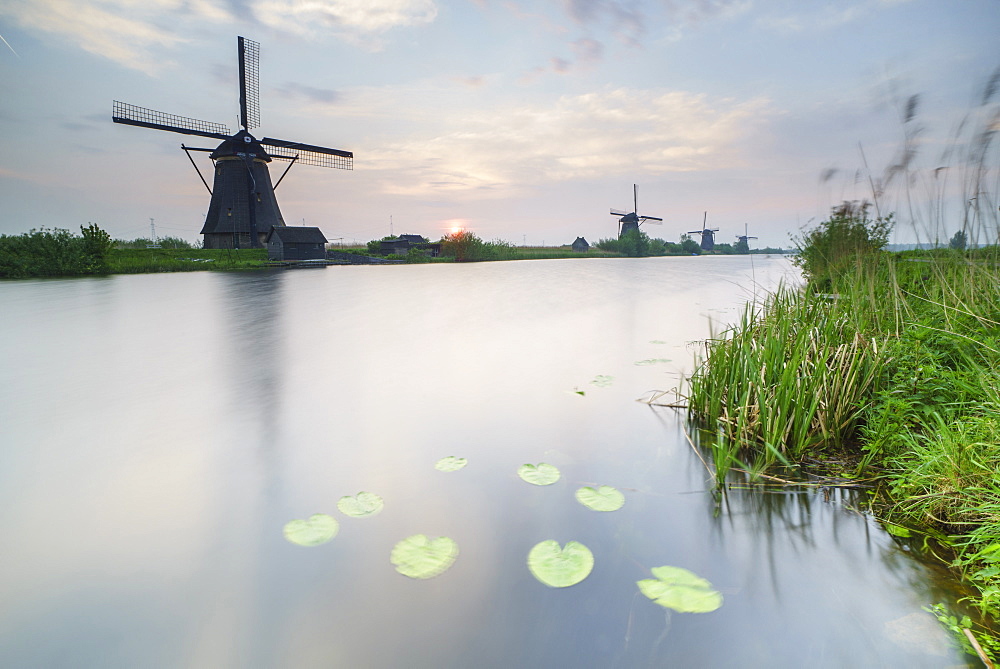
(158, 432)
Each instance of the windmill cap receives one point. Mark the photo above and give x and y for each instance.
(241, 145)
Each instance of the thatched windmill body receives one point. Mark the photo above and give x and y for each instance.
(632, 221)
(707, 234)
(243, 208)
(745, 238)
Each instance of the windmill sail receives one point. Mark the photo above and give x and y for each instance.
(249, 52)
(123, 112)
(309, 154)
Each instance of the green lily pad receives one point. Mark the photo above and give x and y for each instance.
(541, 474)
(420, 557)
(450, 464)
(560, 567)
(361, 505)
(602, 380)
(657, 341)
(680, 590)
(651, 361)
(313, 531)
(604, 498)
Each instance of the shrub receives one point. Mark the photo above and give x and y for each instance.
(55, 252)
(846, 240)
(466, 246)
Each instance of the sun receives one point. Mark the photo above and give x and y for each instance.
(455, 229)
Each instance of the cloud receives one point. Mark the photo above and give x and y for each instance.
(695, 12)
(826, 18)
(619, 131)
(311, 94)
(352, 19)
(99, 28)
(129, 33)
(588, 51)
(624, 17)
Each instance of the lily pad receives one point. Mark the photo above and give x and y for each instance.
(450, 464)
(681, 590)
(541, 474)
(313, 531)
(602, 380)
(361, 505)
(604, 498)
(421, 557)
(560, 567)
(651, 361)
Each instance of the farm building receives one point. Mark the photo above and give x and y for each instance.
(286, 242)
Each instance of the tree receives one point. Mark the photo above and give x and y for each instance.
(959, 241)
(689, 245)
(634, 244)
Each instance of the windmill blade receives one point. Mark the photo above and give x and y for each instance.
(249, 52)
(615, 212)
(652, 219)
(308, 154)
(150, 118)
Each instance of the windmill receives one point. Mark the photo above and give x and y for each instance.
(707, 234)
(243, 208)
(632, 221)
(744, 239)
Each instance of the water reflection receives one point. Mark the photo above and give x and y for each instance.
(160, 431)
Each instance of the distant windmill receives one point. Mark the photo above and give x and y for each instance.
(707, 234)
(243, 208)
(745, 237)
(632, 221)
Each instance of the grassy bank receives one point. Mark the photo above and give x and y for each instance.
(886, 367)
(57, 252)
(138, 261)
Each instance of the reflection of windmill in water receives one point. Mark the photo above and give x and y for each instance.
(243, 208)
(743, 241)
(707, 235)
(632, 221)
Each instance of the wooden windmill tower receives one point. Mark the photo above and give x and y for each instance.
(707, 234)
(632, 221)
(743, 241)
(243, 208)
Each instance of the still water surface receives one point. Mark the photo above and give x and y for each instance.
(158, 431)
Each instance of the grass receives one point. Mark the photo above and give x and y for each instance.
(138, 261)
(892, 363)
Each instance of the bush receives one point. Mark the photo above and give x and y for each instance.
(55, 252)
(466, 246)
(848, 239)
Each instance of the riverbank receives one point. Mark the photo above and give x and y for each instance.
(886, 368)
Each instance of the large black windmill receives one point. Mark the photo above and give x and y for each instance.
(707, 234)
(744, 239)
(243, 208)
(632, 221)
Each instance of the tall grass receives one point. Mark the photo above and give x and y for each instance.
(897, 367)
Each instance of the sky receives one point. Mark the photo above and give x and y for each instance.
(520, 121)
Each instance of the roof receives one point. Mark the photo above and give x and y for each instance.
(415, 239)
(296, 234)
(241, 144)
